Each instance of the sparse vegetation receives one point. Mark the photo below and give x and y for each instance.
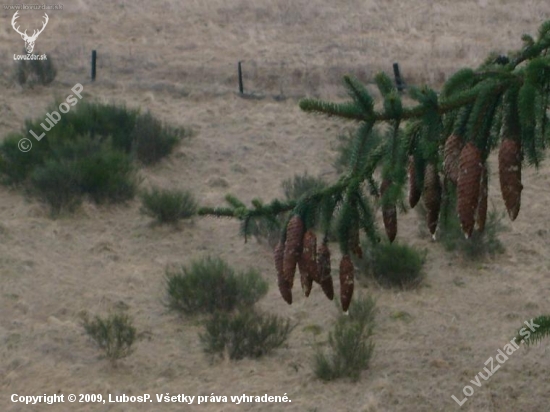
(152, 140)
(481, 244)
(393, 264)
(33, 72)
(350, 343)
(83, 168)
(95, 144)
(57, 184)
(115, 334)
(168, 206)
(244, 334)
(211, 285)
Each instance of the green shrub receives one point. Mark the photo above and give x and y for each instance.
(245, 333)
(107, 175)
(350, 343)
(83, 168)
(153, 141)
(210, 285)
(480, 244)
(115, 334)
(35, 72)
(168, 206)
(96, 121)
(57, 184)
(16, 166)
(394, 264)
(97, 143)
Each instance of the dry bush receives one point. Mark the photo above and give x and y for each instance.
(211, 285)
(350, 343)
(244, 334)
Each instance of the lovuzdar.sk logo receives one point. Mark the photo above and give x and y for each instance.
(29, 40)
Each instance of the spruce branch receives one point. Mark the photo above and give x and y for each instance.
(510, 91)
(542, 331)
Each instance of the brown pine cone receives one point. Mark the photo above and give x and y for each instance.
(308, 262)
(346, 282)
(481, 213)
(305, 278)
(453, 147)
(509, 168)
(469, 178)
(325, 278)
(432, 196)
(414, 190)
(389, 213)
(284, 288)
(293, 248)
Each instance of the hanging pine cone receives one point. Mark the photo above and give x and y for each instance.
(346, 282)
(389, 213)
(414, 190)
(432, 196)
(284, 288)
(308, 262)
(305, 279)
(453, 147)
(469, 177)
(481, 213)
(354, 243)
(293, 248)
(325, 278)
(509, 168)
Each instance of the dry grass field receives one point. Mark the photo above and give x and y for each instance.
(179, 60)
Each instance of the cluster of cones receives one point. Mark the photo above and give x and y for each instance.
(464, 167)
(300, 249)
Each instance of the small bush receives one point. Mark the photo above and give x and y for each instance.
(394, 264)
(245, 333)
(115, 334)
(168, 206)
(57, 184)
(153, 141)
(16, 166)
(107, 175)
(350, 343)
(210, 285)
(83, 168)
(124, 130)
(480, 244)
(35, 72)
(96, 143)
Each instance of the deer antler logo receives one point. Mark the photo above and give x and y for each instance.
(29, 40)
